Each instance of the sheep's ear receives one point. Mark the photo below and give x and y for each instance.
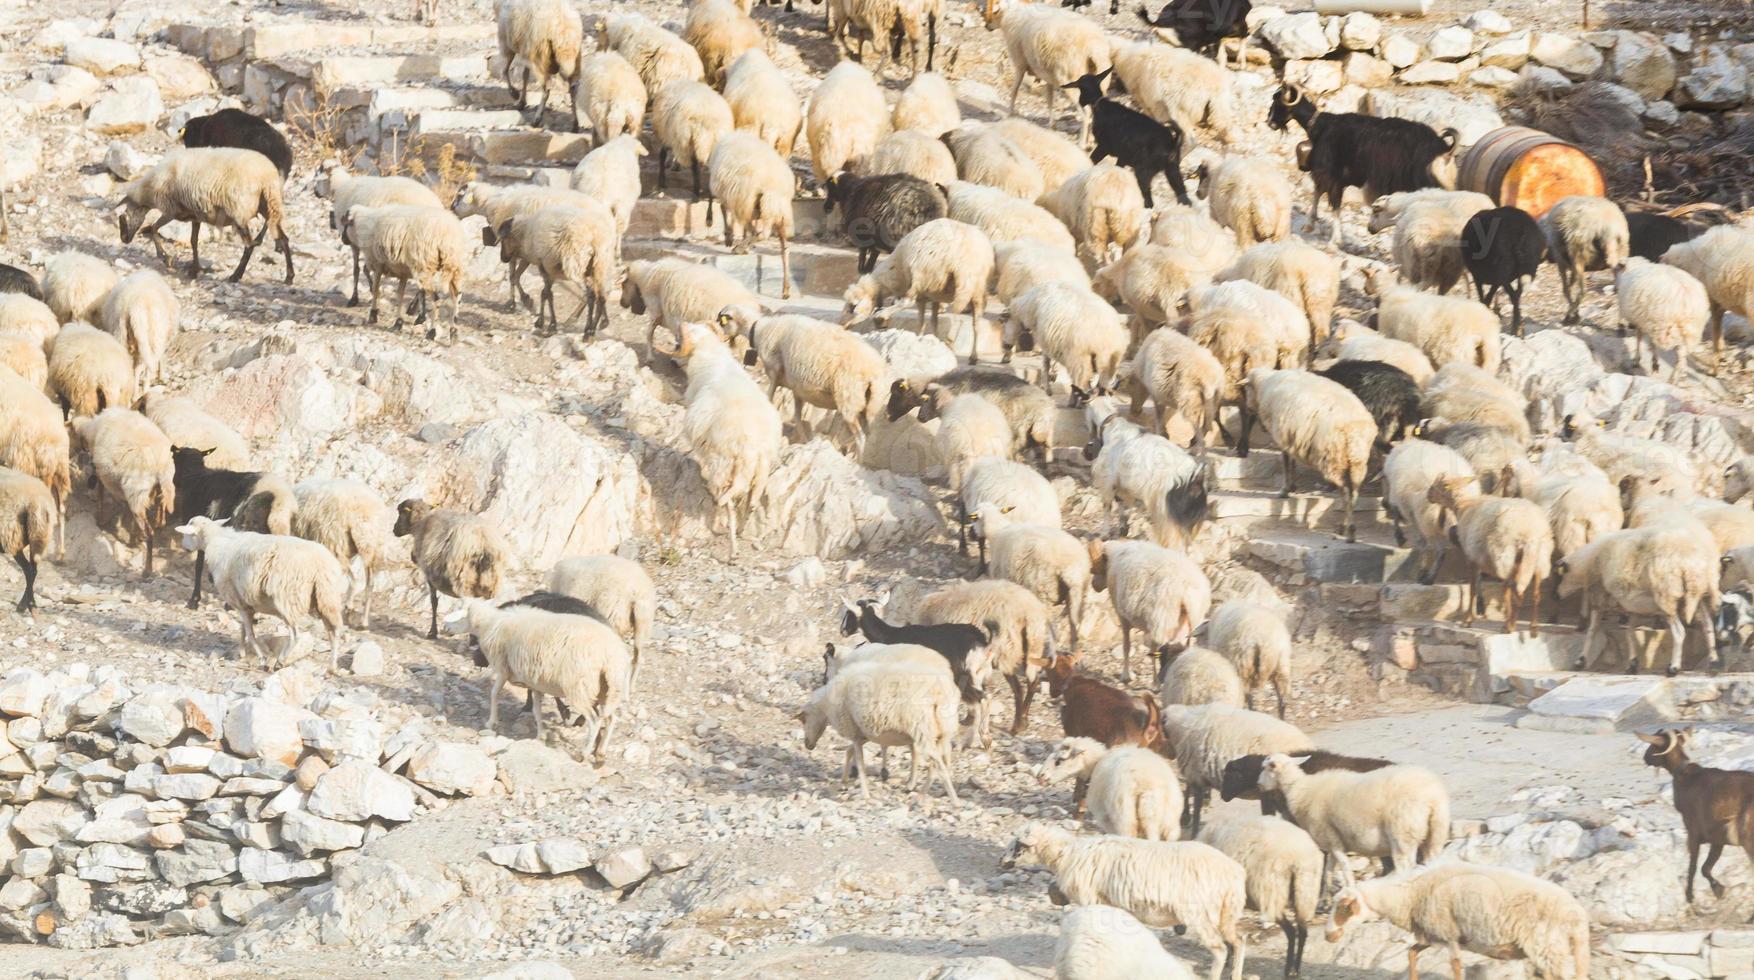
(882, 599)
(1299, 760)
(1642, 737)
(849, 607)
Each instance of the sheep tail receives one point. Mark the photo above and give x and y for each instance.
(1148, 817)
(931, 38)
(1580, 950)
(1437, 831)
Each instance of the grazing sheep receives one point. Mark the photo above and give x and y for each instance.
(75, 284)
(1256, 641)
(986, 157)
(1723, 260)
(34, 441)
(941, 263)
(284, 577)
(611, 96)
(221, 187)
(845, 119)
(1503, 248)
(28, 516)
(877, 212)
(754, 186)
(1005, 218)
(970, 428)
(22, 316)
(1047, 561)
(347, 518)
(1026, 263)
(961, 646)
(1353, 341)
(1581, 504)
(1258, 321)
(1158, 591)
(1428, 233)
(676, 292)
(721, 31)
(889, 704)
(24, 357)
(1181, 378)
(345, 190)
(1248, 196)
(1030, 410)
(1130, 791)
(1178, 87)
(1664, 305)
(413, 242)
(1196, 676)
(1320, 424)
(1147, 471)
(89, 370)
(915, 154)
(762, 101)
(1163, 883)
(1020, 631)
(659, 56)
(246, 500)
(1444, 328)
(142, 313)
(1639, 467)
(547, 37)
(1242, 779)
(1055, 46)
(1098, 942)
(577, 659)
(1206, 739)
(610, 173)
(1496, 912)
(1103, 209)
(618, 589)
(1020, 493)
(1731, 527)
(1400, 812)
(1506, 537)
(1076, 330)
(928, 104)
(461, 555)
(1282, 868)
(888, 23)
(688, 120)
(1464, 393)
(237, 128)
(1152, 280)
(819, 363)
(1202, 240)
(501, 204)
(1584, 234)
(1409, 472)
(1301, 273)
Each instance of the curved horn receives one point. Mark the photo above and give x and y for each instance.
(1674, 739)
(1451, 136)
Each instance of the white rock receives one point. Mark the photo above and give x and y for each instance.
(623, 867)
(1488, 22)
(368, 659)
(23, 692)
(356, 790)
(1315, 77)
(1508, 52)
(1260, 14)
(807, 574)
(1297, 36)
(1568, 54)
(1540, 78)
(1438, 109)
(257, 728)
(153, 716)
(287, 800)
(562, 855)
(1493, 77)
(185, 786)
(132, 105)
(1431, 73)
(1642, 63)
(528, 766)
(46, 822)
(310, 833)
(1661, 114)
(20, 892)
(179, 76)
(268, 867)
(1362, 69)
(102, 55)
(344, 738)
(72, 896)
(518, 857)
(1400, 50)
(451, 767)
(918, 358)
(1450, 44)
(188, 758)
(1718, 81)
(1360, 31)
(33, 862)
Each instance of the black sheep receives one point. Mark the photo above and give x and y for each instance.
(221, 495)
(952, 641)
(877, 211)
(1377, 155)
(1653, 235)
(1503, 249)
(1389, 394)
(1200, 25)
(16, 280)
(237, 128)
(1136, 141)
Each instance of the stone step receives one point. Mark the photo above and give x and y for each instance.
(819, 272)
(1476, 662)
(276, 37)
(1588, 703)
(1447, 599)
(1307, 509)
(1321, 557)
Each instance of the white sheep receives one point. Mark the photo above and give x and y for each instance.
(762, 101)
(1584, 233)
(1664, 305)
(1031, 411)
(576, 245)
(1005, 218)
(1302, 273)
(845, 119)
(284, 577)
(1731, 527)
(413, 242)
(1163, 883)
(1173, 85)
(986, 157)
(1464, 393)
(1444, 328)
(1207, 738)
(501, 204)
(1076, 330)
(89, 370)
(611, 97)
(928, 104)
(219, 186)
(1023, 264)
(1723, 260)
(659, 56)
(1409, 472)
(888, 704)
(910, 655)
(349, 520)
(1247, 326)
(1353, 341)
(34, 441)
(610, 173)
(22, 316)
(1182, 380)
(1197, 676)
(1496, 912)
(1103, 209)
(1283, 870)
(676, 291)
(1399, 812)
(1152, 280)
(1057, 157)
(1201, 239)
(1098, 942)
(1047, 561)
(942, 263)
(548, 38)
(1320, 424)
(459, 554)
(1147, 471)
(1129, 790)
(24, 357)
(1581, 504)
(574, 658)
(754, 186)
(731, 428)
(721, 31)
(1053, 45)
(1669, 570)
(1249, 196)
(1020, 628)
(28, 518)
(970, 428)
(188, 426)
(1428, 234)
(1160, 592)
(142, 313)
(1506, 537)
(1254, 638)
(912, 152)
(345, 190)
(617, 588)
(820, 363)
(688, 120)
(74, 286)
(1019, 492)
(1639, 467)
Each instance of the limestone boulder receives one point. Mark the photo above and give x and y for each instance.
(1642, 63)
(1472, 116)
(1718, 81)
(1297, 36)
(132, 105)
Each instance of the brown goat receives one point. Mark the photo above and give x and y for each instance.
(1091, 709)
(1716, 805)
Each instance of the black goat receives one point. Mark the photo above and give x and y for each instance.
(16, 280)
(1202, 25)
(1503, 248)
(1654, 234)
(955, 642)
(1136, 141)
(237, 128)
(220, 495)
(877, 211)
(1348, 149)
(1388, 393)
(1242, 777)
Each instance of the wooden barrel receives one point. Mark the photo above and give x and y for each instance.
(1528, 169)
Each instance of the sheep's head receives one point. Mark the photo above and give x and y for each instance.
(991, 11)
(1667, 748)
(129, 217)
(1032, 845)
(1578, 424)
(1089, 87)
(194, 534)
(409, 514)
(933, 399)
(1279, 770)
(1098, 565)
(1016, 336)
(861, 299)
(1450, 493)
(987, 519)
(813, 718)
(904, 397)
(835, 190)
(1072, 757)
(1349, 907)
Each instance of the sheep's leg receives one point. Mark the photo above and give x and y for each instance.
(1022, 719)
(28, 602)
(200, 564)
(1016, 86)
(1473, 597)
(1017, 701)
(785, 269)
(246, 641)
(695, 168)
(731, 516)
(401, 302)
(1677, 639)
(1535, 608)
(1292, 930)
(1289, 470)
(377, 281)
(1717, 337)
(859, 759)
(1711, 855)
(1413, 952)
(365, 614)
(1455, 960)
(545, 306)
(1127, 652)
(243, 262)
(1510, 605)
(495, 682)
(145, 536)
(942, 758)
(194, 249)
(432, 627)
(1143, 176)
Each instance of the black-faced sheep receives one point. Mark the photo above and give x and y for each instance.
(876, 212)
(460, 554)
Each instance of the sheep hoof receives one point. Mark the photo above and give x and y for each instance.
(372, 317)
(353, 301)
(1672, 671)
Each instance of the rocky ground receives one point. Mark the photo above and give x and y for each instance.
(709, 841)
